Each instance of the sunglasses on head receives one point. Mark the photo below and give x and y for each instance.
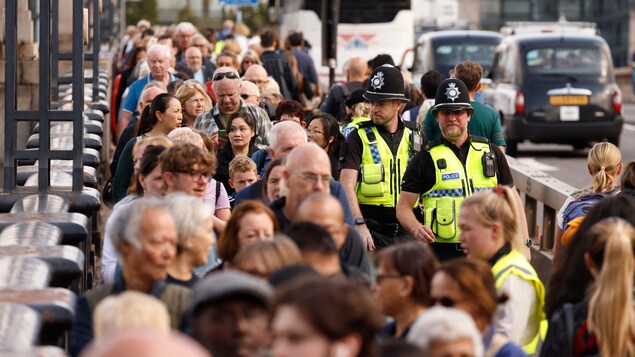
(228, 75)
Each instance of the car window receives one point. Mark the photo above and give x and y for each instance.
(504, 69)
(447, 55)
(550, 61)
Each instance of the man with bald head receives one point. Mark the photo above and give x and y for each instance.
(302, 176)
(326, 211)
(228, 101)
(257, 75)
(194, 66)
(250, 93)
(335, 102)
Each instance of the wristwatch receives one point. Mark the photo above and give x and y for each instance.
(359, 221)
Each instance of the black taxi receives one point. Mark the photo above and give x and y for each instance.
(555, 88)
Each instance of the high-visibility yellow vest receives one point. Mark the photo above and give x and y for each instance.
(353, 125)
(515, 263)
(380, 172)
(454, 182)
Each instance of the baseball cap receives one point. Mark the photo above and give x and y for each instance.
(229, 283)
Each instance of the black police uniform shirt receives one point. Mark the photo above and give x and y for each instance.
(421, 176)
(352, 159)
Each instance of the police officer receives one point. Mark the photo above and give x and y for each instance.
(375, 158)
(448, 170)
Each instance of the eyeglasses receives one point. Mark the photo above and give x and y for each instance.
(257, 81)
(314, 132)
(443, 301)
(246, 96)
(196, 175)
(307, 176)
(383, 277)
(228, 75)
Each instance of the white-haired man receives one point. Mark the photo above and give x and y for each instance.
(184, 31)
(144, 236)
(159, 61)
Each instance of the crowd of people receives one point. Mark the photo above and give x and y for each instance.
(259, 214)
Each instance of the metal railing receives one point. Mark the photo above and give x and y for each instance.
(543, 195)
(44, 114)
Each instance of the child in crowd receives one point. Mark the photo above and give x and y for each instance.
(242, 173)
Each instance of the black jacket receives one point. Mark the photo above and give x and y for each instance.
(279, 68)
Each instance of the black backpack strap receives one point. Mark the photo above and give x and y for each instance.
(569, 325)
(217, 192)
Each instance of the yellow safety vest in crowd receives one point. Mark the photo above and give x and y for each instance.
(454, 182)
(515, 263)
(380, 172)
(353, 125)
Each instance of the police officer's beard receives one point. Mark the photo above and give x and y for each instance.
(453, 133)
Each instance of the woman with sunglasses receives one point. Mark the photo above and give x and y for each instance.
(469, 286)
(241, 133)
(324, 130)
(194, 101)
(404, 272)
(491, 232)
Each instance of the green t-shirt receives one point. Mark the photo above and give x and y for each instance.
(485, 122)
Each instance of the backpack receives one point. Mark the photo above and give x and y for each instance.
(580, 341)
(581, 206)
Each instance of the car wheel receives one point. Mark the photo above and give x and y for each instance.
(511, 148)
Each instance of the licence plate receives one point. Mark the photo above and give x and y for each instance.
(568, 100)
(569, 113)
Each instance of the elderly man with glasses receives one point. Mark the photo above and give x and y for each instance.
(226, 84)
(301, 178)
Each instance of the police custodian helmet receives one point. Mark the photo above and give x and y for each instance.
(386, 83)
(453, 95)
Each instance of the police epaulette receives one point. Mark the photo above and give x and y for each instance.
(480, 139)
(433, 144)
(411, 124)
(365, 124)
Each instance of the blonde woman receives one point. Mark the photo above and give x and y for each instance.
(357, 111)
(129, 310)
(491, 232)
(263, 258)
(194, 101)
(604, 164)
(604, 323)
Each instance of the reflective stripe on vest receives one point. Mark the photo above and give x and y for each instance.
(457, 181)
(353, 125)
(515, 263)
(377, 158)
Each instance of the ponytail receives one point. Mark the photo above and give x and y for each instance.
(143, 125)
(604, 163)
(611, 317)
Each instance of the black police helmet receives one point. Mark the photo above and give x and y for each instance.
(386, 83)
(452, 94)
(357, 96)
